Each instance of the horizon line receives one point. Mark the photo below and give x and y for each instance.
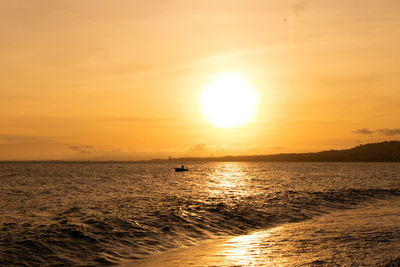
(189, 157)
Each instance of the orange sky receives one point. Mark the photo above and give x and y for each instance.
(121, 79)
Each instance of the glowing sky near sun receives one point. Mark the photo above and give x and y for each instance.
(124, 79)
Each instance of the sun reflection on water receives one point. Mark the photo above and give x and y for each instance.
(251, 250)
(244, 249)
(229, 179)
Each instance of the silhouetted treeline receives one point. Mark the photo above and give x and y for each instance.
(388, 151)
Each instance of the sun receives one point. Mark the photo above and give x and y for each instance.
(229, 101)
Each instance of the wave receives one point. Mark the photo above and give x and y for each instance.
(77, 237)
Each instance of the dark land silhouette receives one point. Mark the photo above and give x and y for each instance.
(388, 151)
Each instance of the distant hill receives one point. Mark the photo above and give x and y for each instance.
(388, 151)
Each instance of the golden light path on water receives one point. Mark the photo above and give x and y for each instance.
(339, 237)
(246, 250)
(228, 179)
(328, 240)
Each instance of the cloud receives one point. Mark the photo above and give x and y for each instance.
(199, 147)
(363, 131)
(389, 132)
(134, 119)
(82, 149)
(88, 152)
(383, 131)
(202, 148)
(93, 151)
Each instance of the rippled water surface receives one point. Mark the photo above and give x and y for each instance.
(58, 213)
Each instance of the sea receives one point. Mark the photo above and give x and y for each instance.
(216, 214)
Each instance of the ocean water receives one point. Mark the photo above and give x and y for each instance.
(82, 213)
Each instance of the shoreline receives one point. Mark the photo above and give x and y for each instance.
(321, 241)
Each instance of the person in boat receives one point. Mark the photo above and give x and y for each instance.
(181, 169)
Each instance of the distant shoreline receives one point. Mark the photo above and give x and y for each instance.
(388, 151)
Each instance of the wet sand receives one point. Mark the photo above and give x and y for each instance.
(341, 238)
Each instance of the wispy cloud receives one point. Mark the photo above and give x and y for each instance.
(202, 148)
(389, 132)
(363, 131)
(383, 131)
(88, 152)
(134, 119)
(82, 149)
(199, 147)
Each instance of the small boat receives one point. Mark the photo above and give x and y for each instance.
(181, 169)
